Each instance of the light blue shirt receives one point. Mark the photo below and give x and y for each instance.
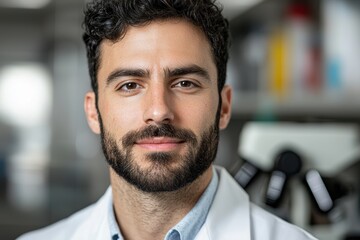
(189, 226)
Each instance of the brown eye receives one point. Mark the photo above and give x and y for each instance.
(129, 86)
(185, 84)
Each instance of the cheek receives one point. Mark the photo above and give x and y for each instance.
(119, 117)
(201, 115)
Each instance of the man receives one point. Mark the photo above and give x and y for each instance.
(159, 99)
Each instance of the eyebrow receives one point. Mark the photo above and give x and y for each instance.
(169, 73)
(126, 73)
(187, 70)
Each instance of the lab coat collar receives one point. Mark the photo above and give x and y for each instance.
(96, 225)
(229, 219)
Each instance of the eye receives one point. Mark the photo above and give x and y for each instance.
(185, 84)
(130, 86)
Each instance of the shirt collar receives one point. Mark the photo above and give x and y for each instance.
(114, 228)
(189, 226)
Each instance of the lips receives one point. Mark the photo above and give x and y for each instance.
(159, 143)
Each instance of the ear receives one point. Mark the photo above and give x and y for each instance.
(91, 112)
(225, 112)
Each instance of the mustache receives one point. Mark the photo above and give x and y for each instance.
(163, 130)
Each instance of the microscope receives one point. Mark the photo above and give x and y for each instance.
(306, 173)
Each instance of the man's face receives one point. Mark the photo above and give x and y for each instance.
(158, 105)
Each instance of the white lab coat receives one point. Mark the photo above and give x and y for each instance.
(231, 217)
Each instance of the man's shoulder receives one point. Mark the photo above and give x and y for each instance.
(63, 229)
(263, 222)
(84, 224)
(256, 222)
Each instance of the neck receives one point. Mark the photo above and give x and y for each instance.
(142, 215)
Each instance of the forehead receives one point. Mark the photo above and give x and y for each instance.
(162, 44)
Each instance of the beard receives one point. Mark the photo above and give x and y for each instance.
(161, 175)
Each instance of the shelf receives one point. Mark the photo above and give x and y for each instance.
(296, 47)
(334, 105)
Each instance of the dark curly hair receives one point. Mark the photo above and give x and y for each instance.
(109, 19)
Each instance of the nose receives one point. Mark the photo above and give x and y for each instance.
(158, 105)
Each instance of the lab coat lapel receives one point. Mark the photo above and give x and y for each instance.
(229, 215)
(96, 226)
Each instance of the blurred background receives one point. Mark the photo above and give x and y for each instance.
(295, 70)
